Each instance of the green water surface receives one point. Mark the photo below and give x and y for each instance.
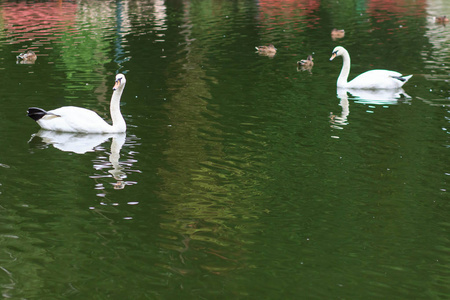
(240, 176)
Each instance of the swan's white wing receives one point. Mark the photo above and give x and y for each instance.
(74, 119)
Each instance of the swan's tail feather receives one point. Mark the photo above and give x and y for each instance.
(36, 113)
(407, 77)
(403, 79)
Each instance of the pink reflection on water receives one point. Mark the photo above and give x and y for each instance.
(399, 11)
(280, 12)
(37, 22)
(383, 10)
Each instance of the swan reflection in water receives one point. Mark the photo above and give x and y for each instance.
(83, 143)
(368, 97)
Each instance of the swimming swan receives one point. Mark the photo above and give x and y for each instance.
(77, 119)
(374, 79)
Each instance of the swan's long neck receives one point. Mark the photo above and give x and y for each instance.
(118, 122)
(345, 71)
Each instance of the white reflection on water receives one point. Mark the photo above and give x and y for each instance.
(83, 143)
(370, 97)
(338, 121)
(375, 97)
(436, 58)
(74, 142)
(160, 14)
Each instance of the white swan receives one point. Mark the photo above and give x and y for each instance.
(78, 119)
(374, 79)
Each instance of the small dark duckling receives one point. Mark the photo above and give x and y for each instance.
(305, 64)
(337, 34)
(442, 20)
(28, 57)
(267, 50)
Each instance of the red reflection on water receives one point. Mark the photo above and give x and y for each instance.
(280, 11)
(398, 10)
(378, 8)
(37, 21)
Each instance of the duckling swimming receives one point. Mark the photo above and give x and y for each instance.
(442, 20)
(28, 57)
(305, 64)
(267, 50)
(337, 34)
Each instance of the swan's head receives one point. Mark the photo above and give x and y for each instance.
(120, 82)
(338, 51)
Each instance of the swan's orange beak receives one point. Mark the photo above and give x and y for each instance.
(116, 85)
(333, 56)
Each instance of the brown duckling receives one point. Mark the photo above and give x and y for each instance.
(305, 64)
(28, 57)
(267, 50)
(442, 20)
(337, 34)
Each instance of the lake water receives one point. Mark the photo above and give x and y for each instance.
(240, 176)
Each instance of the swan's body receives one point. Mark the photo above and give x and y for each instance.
(78, 119)
(374, 79)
